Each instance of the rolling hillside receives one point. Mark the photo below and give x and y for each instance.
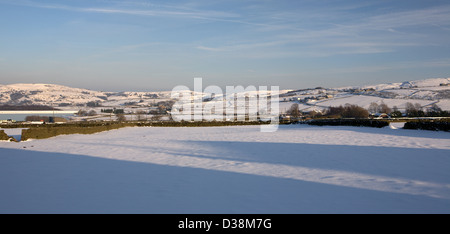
(424, 92)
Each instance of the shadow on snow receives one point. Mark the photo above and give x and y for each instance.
(41, 182)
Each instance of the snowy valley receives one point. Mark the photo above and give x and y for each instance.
(425, 92)
(231, 169)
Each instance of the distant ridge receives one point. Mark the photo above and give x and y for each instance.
(424, 92)
(26, 107)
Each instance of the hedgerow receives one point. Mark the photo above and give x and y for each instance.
(3, 136)
(434, 125)
(51, 130)
(350, 122)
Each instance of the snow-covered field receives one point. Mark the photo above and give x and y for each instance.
(298, 169)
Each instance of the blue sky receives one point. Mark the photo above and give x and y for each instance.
(140, 45)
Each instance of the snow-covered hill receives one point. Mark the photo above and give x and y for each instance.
(61, 96)
(46, 94)
(424, 92)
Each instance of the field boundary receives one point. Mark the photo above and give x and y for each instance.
(43, 131)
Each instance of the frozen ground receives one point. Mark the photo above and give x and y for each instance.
(298, 169)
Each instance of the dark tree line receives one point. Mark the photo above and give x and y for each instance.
(114, 111)
(415, 110)
(347, 111)
(354, 111)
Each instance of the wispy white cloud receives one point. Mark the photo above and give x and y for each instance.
(399, 65)
(162, 13)
(162, 10)
(210, 48)
(241, 47)
(380, 33)
(294, 32)
(429, 16)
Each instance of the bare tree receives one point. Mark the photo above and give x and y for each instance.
(156, 118)
(92, 113)
(434, 108)
(418, 107)
(314, 113)
(347, 111)
(383, 108)
(121, 118)
(140, 114)
(354, 111)
(82, 113)
(373, 107)
(414, 110)
(395, 112)
(409, 107)
(293, 111)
